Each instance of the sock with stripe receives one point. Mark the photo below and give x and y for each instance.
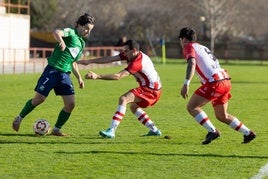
(204, 121)
(117, 117)
(239, 126)
(145, 120)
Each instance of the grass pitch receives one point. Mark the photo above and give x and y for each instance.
(85, 154)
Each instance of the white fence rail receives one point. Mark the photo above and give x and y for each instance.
(33, 60)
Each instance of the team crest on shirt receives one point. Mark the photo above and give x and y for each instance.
(66, 29)
(74, 51)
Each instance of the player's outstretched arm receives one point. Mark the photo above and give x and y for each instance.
(114, 76)
(101, 60)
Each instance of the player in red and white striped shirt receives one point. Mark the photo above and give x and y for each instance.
(215, 88)
(147, 94)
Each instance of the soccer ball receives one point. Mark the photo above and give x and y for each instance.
(41, 127)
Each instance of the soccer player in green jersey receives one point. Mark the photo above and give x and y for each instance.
(69, 47)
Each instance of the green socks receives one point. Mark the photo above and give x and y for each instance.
(27, 108)
(62, 119)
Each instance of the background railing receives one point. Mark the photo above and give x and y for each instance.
(33, 60)
(20, 7)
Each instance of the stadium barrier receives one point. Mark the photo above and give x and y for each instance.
(17, 7)
(34, 60)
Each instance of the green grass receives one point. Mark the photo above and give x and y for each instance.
(85, 154)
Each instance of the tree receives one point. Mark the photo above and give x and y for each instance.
(41, 14)
(217, 17)
(141, 19)
(251, 19)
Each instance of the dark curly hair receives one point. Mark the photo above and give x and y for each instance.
(188, 33)
(132, 44)
(85, 19)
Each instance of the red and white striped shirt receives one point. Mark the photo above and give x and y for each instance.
(208, 68)
(142, 68)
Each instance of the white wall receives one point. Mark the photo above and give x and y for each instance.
(14, 37)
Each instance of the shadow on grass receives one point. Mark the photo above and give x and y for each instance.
(164, 154)
(72, 139)
(17, 138)
(17, 134)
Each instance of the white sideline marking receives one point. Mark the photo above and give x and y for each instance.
(262, 172)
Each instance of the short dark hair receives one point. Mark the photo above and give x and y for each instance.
(86, 18)
(132, 44)
(188, 33)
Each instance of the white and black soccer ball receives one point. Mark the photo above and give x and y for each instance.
(41, 127)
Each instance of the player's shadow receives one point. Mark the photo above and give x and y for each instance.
(163, 154)
(18, 138)
(14, 134)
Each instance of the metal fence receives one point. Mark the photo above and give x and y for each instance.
(34, 60)
(16, 7)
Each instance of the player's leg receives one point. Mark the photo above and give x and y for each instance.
(118, 115)
(65, 89)
(194, 108)
(144, 119)
(28, 107)
(43, 87)
(223, 116)
(64, 115)
(145, 97)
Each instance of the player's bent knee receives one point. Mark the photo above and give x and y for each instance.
(122, 99)
(70, 106)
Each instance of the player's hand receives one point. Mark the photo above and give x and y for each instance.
(184, 91)
(62, 45)
(81, 83)
(91, 75)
